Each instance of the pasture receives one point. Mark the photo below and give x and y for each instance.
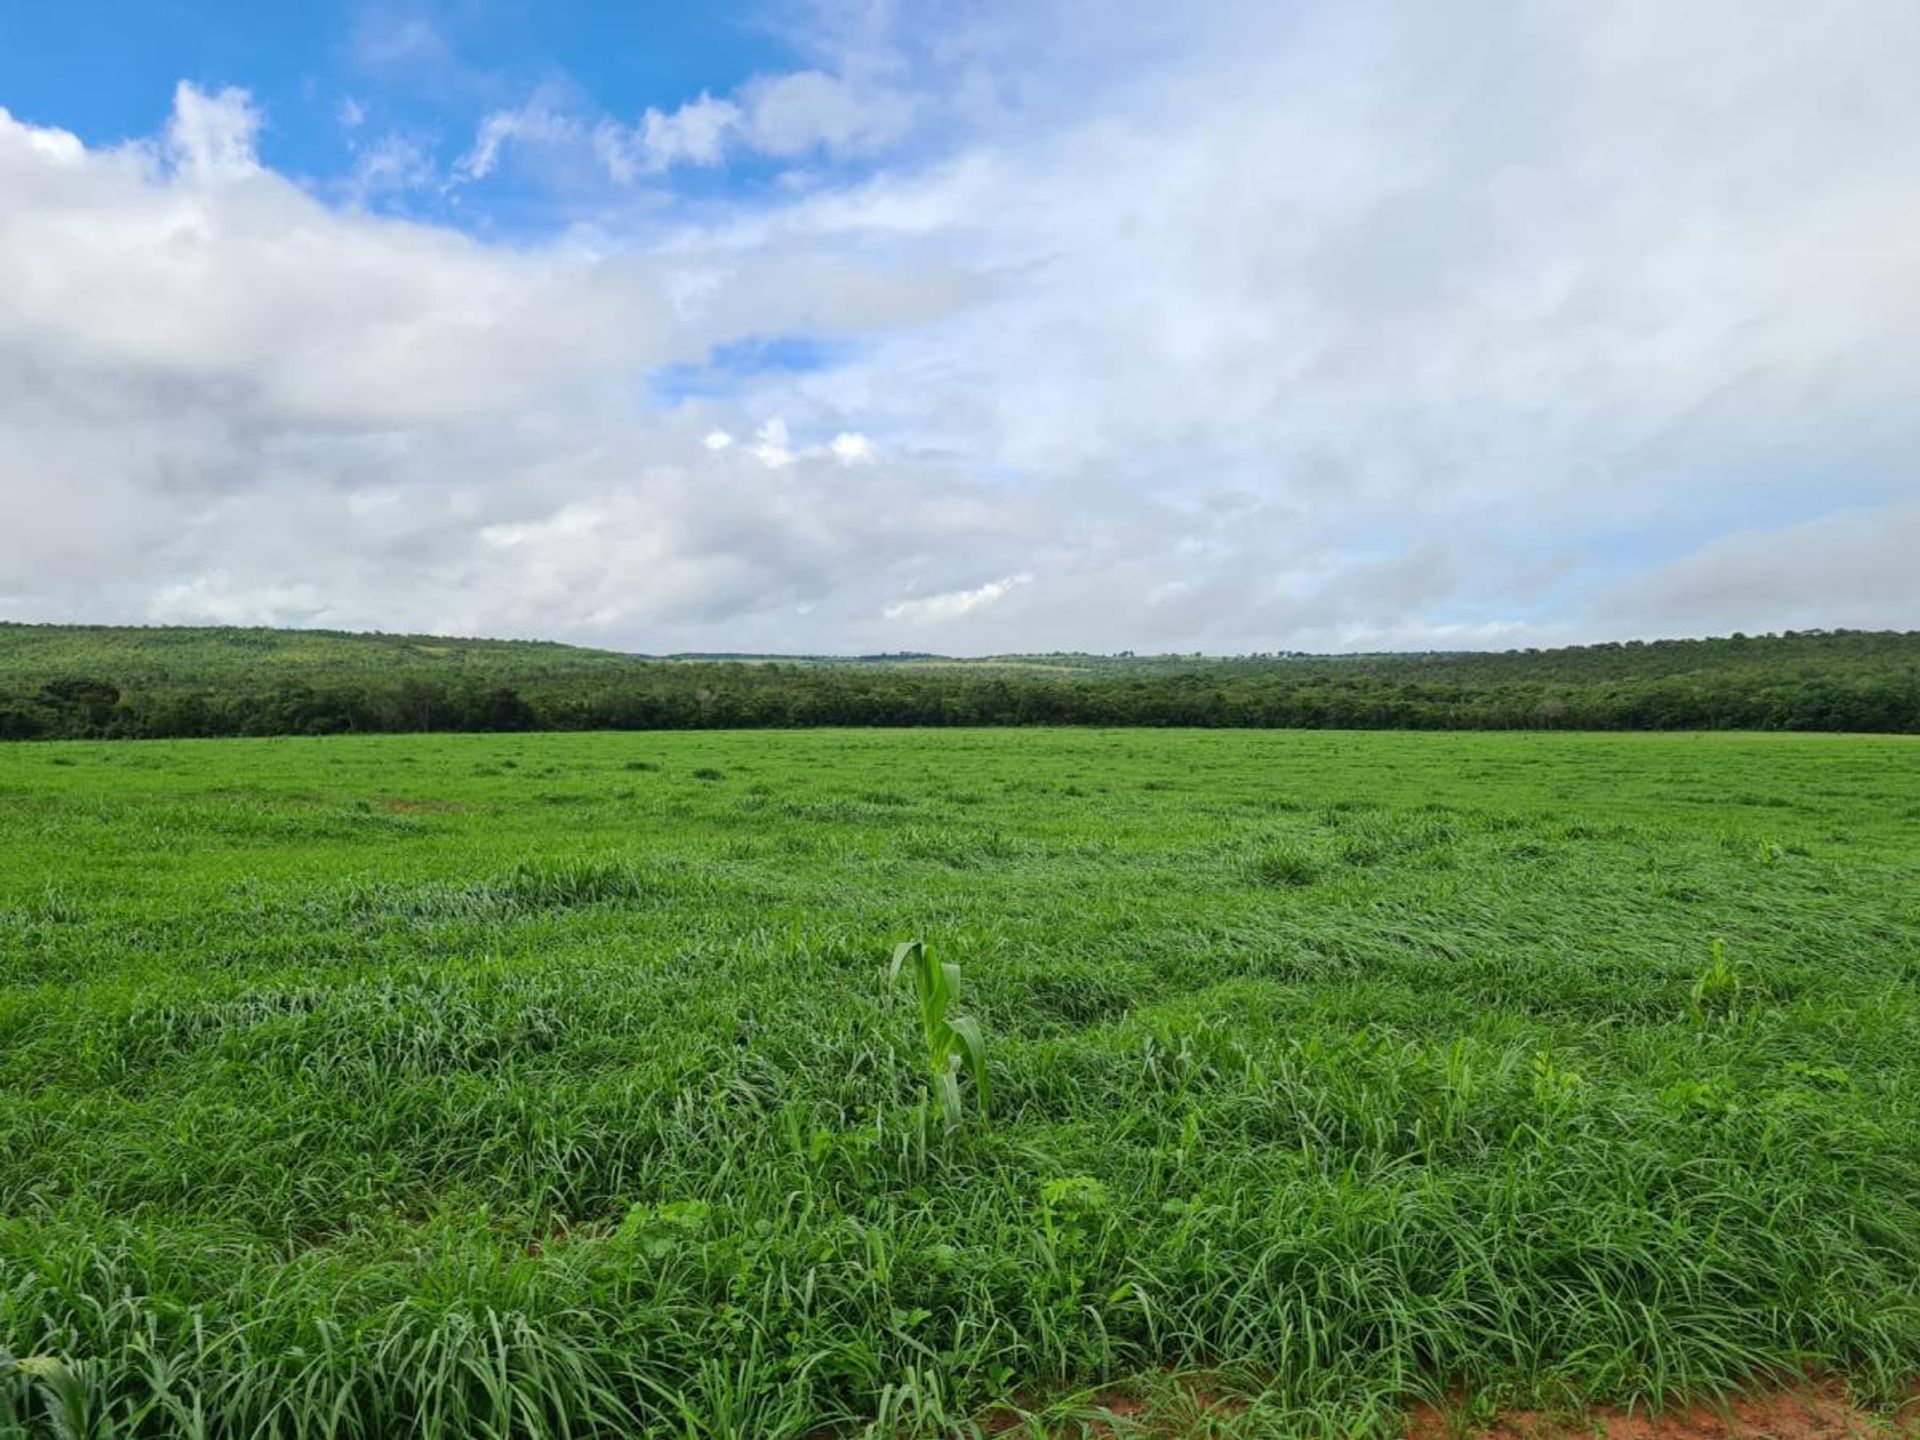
(554, 1085)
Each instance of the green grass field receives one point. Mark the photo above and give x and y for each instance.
(553, 1085)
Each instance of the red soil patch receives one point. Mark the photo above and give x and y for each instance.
(1805, 1412)
(1802, 1412)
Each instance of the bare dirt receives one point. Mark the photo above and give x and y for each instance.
(1808, 1412)
(1803, 1412)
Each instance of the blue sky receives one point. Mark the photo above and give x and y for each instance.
(336, 82)
(875, 324)
(106, 69)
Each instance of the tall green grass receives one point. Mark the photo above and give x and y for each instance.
(575, 1104)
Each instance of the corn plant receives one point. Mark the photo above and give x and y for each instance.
(953, 1041)
(1717, 991)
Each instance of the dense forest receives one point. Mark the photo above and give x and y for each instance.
(65, 681)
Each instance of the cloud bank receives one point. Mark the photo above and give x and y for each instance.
(1281, 327)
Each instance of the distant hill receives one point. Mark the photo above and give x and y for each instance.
(101, 680)
(207, 654)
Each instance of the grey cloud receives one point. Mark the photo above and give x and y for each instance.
(1857, 569)
(1289, 326)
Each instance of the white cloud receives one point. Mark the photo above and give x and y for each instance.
(790, 115)
(391, 164)
(1533, 289)
(1275, 327)
(954, 603)
(850, 448)
(695, 134)
(42, 144)
(785, 116)
(771, 445)
(271, 309)
(210, 137)
(537, 122)
(234, 402)
(214, 599)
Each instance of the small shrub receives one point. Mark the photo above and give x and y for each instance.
(707, 772)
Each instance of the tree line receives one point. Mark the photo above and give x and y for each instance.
(247, 685)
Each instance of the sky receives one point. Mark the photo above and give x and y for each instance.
(971, 326)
